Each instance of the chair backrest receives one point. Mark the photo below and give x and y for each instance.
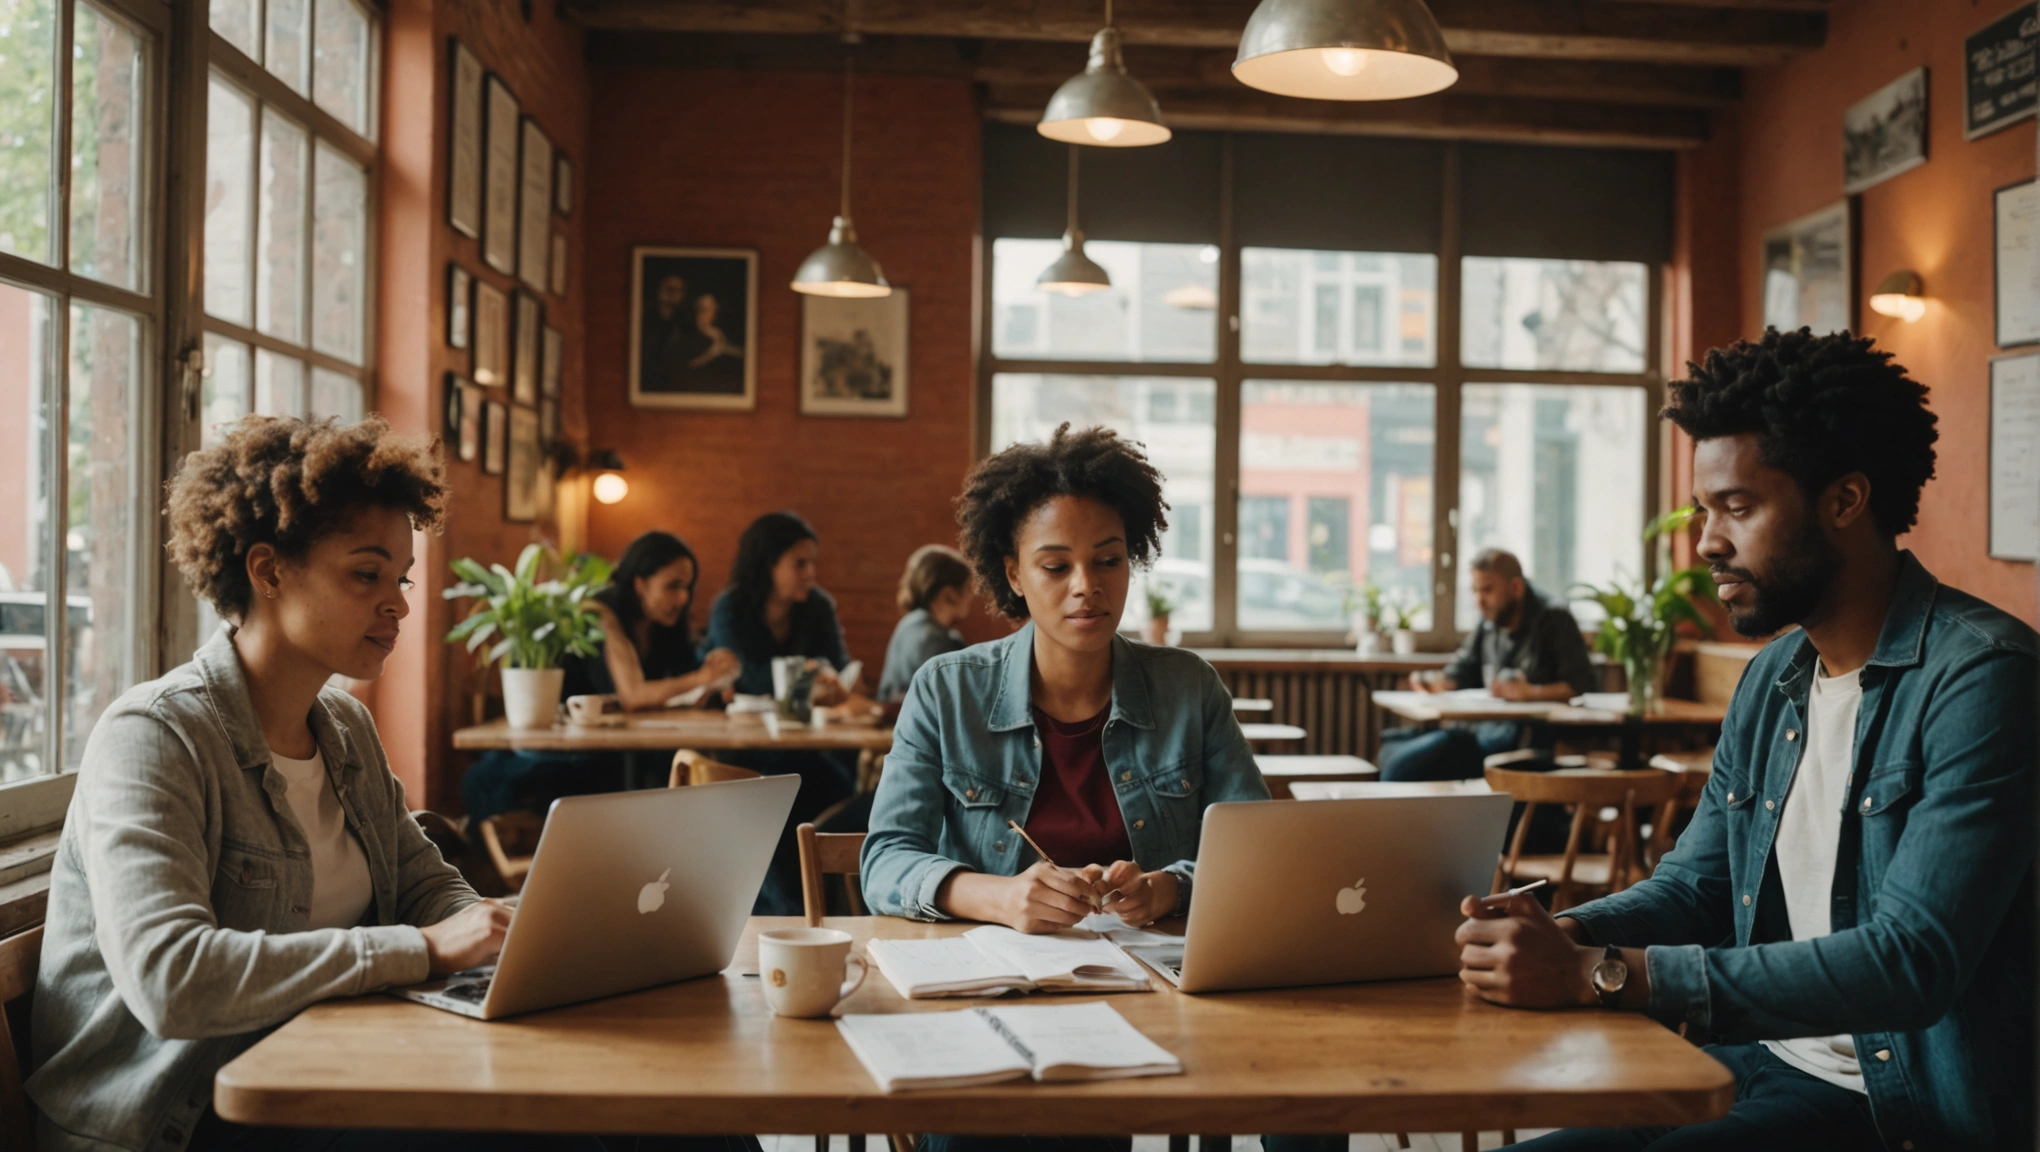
(828, 854)
(511, 839)
(1587, 790)
(691, 767)
(20, 956)
(1693, 769)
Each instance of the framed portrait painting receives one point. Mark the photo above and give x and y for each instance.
(693, 328)
(1809, 272)
(853, 355)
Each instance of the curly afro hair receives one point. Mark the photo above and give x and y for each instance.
(1822, 407)
(286, 482)
(1004, 489)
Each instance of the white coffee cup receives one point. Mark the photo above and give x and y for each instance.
(802, 970)
(594, 711)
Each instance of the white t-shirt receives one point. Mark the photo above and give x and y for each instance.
(340, 886)
(1809, 839)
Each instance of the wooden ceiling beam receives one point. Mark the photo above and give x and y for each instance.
(1167, 71)
(1446, 115)
(1669, 33)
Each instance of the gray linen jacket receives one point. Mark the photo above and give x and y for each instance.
(176, 933)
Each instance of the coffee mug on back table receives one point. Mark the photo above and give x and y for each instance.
(595, 711)
(803, 969)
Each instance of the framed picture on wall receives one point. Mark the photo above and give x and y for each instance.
(692, 329)
(1885, 133)
(464, 165)
(558, 264)
(492, 335)
(2015, 457)
(548, 422)
(551, 353)
(2016, 231)
(853, 355)
(520, 491)
(1809, 272)
(460, 293)
(534, 206)
(495, 436)
(464, 401)
(499, 177)
(563, 186)
(1997, 83)
(524, 354)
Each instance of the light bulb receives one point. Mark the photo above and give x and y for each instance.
(1104, 128)
(1899, 305)
(611, 488)
(1344, 61)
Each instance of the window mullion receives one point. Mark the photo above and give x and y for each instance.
(1446, 415)
(67, 24)
(306, 307)
(56, 614)
(1225, 497)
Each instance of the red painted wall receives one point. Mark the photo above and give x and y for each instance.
(751, 160)
(1936, 219)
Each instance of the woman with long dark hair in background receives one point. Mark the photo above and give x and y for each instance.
(648, 652)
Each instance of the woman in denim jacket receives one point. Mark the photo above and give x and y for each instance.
(1104, 750)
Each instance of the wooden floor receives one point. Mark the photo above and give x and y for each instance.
(1419, 1142)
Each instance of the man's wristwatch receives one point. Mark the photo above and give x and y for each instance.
(1609, 977)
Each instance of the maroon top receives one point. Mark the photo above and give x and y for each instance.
(1075, 817)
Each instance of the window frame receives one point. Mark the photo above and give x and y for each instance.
(1447, 378)
(38, 804)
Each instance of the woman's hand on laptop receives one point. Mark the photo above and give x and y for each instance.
(467, 939)
(1518, 955)
(1139, 898)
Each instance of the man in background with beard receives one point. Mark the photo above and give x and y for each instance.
(1848, 922)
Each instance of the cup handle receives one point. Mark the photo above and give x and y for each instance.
(850, 986)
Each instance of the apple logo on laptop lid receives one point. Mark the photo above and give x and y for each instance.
(652, 896)
(1352, 900)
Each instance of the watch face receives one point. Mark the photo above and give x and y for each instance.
(1610, 976)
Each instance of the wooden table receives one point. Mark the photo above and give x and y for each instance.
(1271, 733)
(705, 1056)
(1253, 704)
(1435, 707)
(1371, 789)
(1597, 712)
(1284, 772)
(685, 728)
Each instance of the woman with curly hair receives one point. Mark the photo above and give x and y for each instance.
(237, 848)
(1105, 750)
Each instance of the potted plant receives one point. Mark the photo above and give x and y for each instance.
(1362, 604)
(1160, 604)
(530, 623)
(1641, 621)
(1399, 613)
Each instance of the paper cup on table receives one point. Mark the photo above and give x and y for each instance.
(803, 969)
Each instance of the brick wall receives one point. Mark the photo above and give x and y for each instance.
(751, 160)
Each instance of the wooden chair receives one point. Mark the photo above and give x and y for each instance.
(1693, 770)
(20, 956)
(1586, 791)
(511, 838)
(828, 854)
(691, 767)
(474, 866)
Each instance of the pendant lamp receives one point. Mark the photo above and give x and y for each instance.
(1073, 273)
(1103, 105)
(1344, 50)
(841, 267)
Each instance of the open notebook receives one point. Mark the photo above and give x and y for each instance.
(1058, 1042)
(992, 960)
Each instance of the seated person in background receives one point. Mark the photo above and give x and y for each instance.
(935, 595)
(1526, 647)
(1849, 917)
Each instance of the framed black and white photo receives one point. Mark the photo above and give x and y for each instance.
(853, 355)
(2015, 228)
(1885, 133)
(534, 207)
(2015, 457)
(1809, 272)
(558, 265)
(563, 186)
(492, 335)
(551, 353)
(495, 436)
(520, 502)
(464, 164)
(464, 403)
(1999, 81)
(524, 349)
(460, 293)
(692, 327)
(499, 178)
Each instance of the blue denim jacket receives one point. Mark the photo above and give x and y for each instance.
(1930, 964)
(965, 758)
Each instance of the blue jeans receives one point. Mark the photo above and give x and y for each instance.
(1445, 753)
(1776, 1107)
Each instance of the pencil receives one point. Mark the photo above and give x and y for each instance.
(1501, 899)
(1015, 826)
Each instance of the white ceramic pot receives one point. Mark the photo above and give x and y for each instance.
(531, 696)
(1405, 642)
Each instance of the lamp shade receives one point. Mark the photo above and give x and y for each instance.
(1073, 273)
(1900, 294)
(1344, 50)
(841, 267)
(1102, 105)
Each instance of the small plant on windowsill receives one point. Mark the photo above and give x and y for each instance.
(1361, 603)
(1400, 610)
(1161, 604)
(1640, 621)
(531, 623)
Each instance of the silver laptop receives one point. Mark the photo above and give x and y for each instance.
(1332, 891)
(628, 890)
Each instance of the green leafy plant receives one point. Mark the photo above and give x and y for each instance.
(1398, 611)
(1161, 599)
(527, 618)
(1365, 595)
(1641, 620)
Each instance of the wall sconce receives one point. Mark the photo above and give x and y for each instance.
(610, 487)
(1900, 294)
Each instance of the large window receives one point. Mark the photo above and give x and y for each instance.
(1333, 420)
(81, 313)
